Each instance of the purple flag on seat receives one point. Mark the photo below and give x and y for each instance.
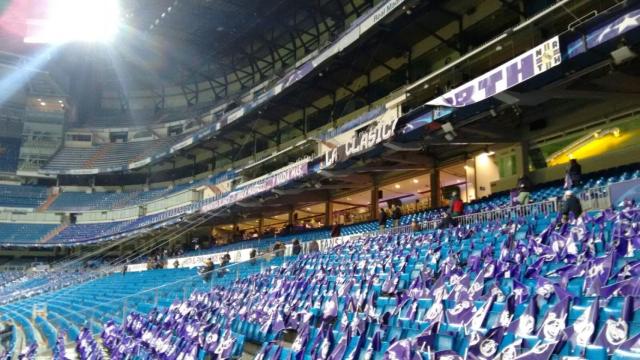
(479, 316)
(341, 347)
(541, 351)
(525, 324)
(582, 330)
(632, 345)
(461, 313)
(300, 343)
(487, 347)
(398, 350)
(598, 268)
(225, 346)
(510, 351)
(447, 355)
(615, 331)
(374, 346)
(554, 324)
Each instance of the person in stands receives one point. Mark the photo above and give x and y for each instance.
(206, 270)
(447, 221)
(396, 214)
(570, 205)
(314, 247)
(457, 206)
(176, 264)
(226, 259)
(524, 190)
(574, 173)
(335, 230)
(124, 270)
(252, 256)
(296, 248)
(382, 219)
(278, 249)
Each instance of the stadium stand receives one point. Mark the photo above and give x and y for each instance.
(23, 196)
(411, 180)
(9, 151)
(108, 155)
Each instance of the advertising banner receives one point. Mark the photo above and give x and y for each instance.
(533, 62)
(625, 190)
(346, 145)
(284, 176)
(600, 35)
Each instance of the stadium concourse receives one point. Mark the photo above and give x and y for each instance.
(335, 179)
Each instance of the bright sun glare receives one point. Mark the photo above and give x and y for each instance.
(77, 21)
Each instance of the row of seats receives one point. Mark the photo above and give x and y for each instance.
(109, 155)
(23, 196)
(436, 293)
(92, 303)
(83, 201)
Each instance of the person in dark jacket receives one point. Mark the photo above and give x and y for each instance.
(396, 215)
(382, 219)
(335, 230)
(575, 172)
(296, 249)
(252, 256)
(571, 204)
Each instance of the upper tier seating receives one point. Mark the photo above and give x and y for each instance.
(9, 153)
(17, 233)
(23, 196)
(108, 155)
(82, 201)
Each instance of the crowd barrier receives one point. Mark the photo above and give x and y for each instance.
(596, 198)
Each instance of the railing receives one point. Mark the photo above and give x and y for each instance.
(544, 207)
(595, 198)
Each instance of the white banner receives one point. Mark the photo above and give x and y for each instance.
(533, 62)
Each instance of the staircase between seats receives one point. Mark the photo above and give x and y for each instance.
(45, 205)
(53, 233)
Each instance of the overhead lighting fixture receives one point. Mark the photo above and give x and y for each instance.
(42, 103)
(415, 181)
(77, 21)
(397, 186)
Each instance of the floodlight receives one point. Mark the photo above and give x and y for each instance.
(78, 21)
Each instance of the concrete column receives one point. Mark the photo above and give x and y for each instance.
(375, 199)
(260, 225)
(291, 211)
(328, 212)
(436, 191)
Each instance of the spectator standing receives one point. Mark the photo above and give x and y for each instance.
(206, 270)
(124, 270)
(396, 215)
(296, 248)
(176, 264)
(226, 259)
(335, 230)
(574, 172)
(314, 247)
(457, 206)
(278, 249)
(382, 219)
(524, 190)
(570, 205)
(252, 256)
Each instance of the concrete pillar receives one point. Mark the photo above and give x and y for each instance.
(291, 211)
(436, 190)
(328, 212)
(375, 199)
(261, 225)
